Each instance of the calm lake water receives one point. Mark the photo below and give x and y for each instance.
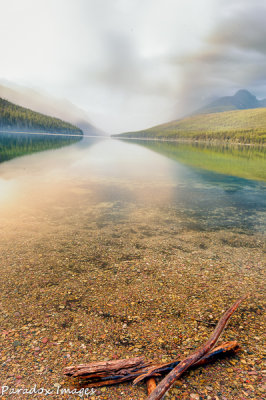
(210, 187)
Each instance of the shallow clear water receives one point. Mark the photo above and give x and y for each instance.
(126, 174)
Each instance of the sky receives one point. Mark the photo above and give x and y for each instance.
(132, 64)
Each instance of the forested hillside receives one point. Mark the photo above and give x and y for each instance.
(239, 126)
(13, 117)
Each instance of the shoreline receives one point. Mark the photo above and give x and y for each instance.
(190, 141)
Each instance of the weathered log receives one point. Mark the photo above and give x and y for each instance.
(101, 379)
(168, 381)
(105, 368)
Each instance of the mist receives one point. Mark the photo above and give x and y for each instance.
(127, 65)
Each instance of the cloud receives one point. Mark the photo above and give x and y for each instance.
(133, 64)
(187, 66)
(233, 56)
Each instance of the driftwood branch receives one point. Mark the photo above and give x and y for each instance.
(104, 368)
(151, 385)
(168, 381)
(223, 349)
(136, 367)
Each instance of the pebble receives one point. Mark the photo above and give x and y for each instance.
(194, 396)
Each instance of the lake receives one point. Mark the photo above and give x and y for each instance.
(111, 248)
(210, 187)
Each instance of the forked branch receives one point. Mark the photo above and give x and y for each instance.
(168, 381)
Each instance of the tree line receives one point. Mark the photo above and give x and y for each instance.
(14, 117)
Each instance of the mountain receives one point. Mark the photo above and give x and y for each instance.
(45, 104)
(17, 118)
(240, 118)
(242, 100)
(240, 126)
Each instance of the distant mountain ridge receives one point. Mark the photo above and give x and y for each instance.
(17, 118)
(241, 100)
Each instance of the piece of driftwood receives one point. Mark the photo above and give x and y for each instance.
(151, 385)
(168, 381)
(106, 368)
(219, 351)
(136, 367)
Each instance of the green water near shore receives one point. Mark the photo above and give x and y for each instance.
(14, 145)
(247, 162)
